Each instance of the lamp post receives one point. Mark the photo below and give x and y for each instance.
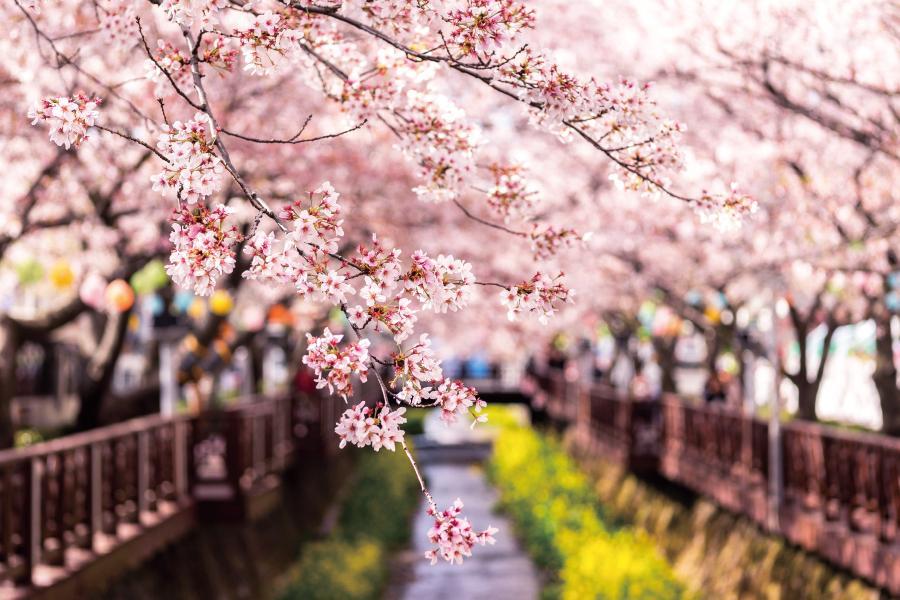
(768, 325)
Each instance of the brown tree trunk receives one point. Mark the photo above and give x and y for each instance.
(807, 387)
(9, 345)
(665, 355)
(98, 375)
(885, 375)
(712, 350)
(806, 398)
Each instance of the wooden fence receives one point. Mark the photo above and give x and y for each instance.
(838, 495)
(118, 493)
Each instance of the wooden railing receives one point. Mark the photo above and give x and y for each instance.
(718, 452)
(69, 502)
(627, 429)
(88, 491)
(838, 496)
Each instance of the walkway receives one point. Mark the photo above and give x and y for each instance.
(499, 572)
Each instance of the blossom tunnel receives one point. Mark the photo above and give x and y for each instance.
(244, 243)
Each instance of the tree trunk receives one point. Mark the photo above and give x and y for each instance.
(806, 398)
(9, 345)
(98, 375)
(885, 375)
(665, 355)
(712, 350)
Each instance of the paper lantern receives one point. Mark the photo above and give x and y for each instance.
(93, 291)
(197, 308)
(280, 315)
(254, 318)
(29, 271)
(119, 296)
(220, 303)
(61, 275)
(150, 278)
(183, 301)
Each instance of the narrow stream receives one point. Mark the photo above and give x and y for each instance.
(451, 463)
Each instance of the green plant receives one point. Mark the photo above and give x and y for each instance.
(383, 495)
(338, 568)
(554, 507)
(375, 517)
(415, 421)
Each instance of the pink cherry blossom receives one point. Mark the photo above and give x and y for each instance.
(443, 283)
(268, 44)
(453, 536)
(363, 426)
(193, 171)
(540, 294)
(202, 248)
(455, 398)
(68, 118)
(334, 366)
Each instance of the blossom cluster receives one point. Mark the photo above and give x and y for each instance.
(175, 63)
(118, 23)
(414, 367)
(482, 27)
(68, 118)
(725, 211)
(187, 12)
(168, 60)
(540, 294)
(334, 366)
(455, 398)
(443, 283)
(202, 247)
(303, 257)
(437, 137)
(378, 427)
(268, 44)
(547, 240)
(192, 170)
(510, 195)
(621, 115)
(453, 535)
(397, 316)
(319, 223)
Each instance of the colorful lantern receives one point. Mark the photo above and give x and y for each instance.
(119, 296)
(151, 278)
(183, 301)
(61, 275)
(197, 309)
(220, 303)
(29, 271)
(93, 291)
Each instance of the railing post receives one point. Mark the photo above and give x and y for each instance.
(31, 520)
(143, 458)
(258, 445)
(95, 493)
(180, 461)
(6, 524)
(776, 464)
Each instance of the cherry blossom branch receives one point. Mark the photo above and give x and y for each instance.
(125, 136)
(489, 80)
(168, 76)
(204, 106)
(478, 219)
(293, 139)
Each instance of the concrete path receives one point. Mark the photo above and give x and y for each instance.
(499, 572)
